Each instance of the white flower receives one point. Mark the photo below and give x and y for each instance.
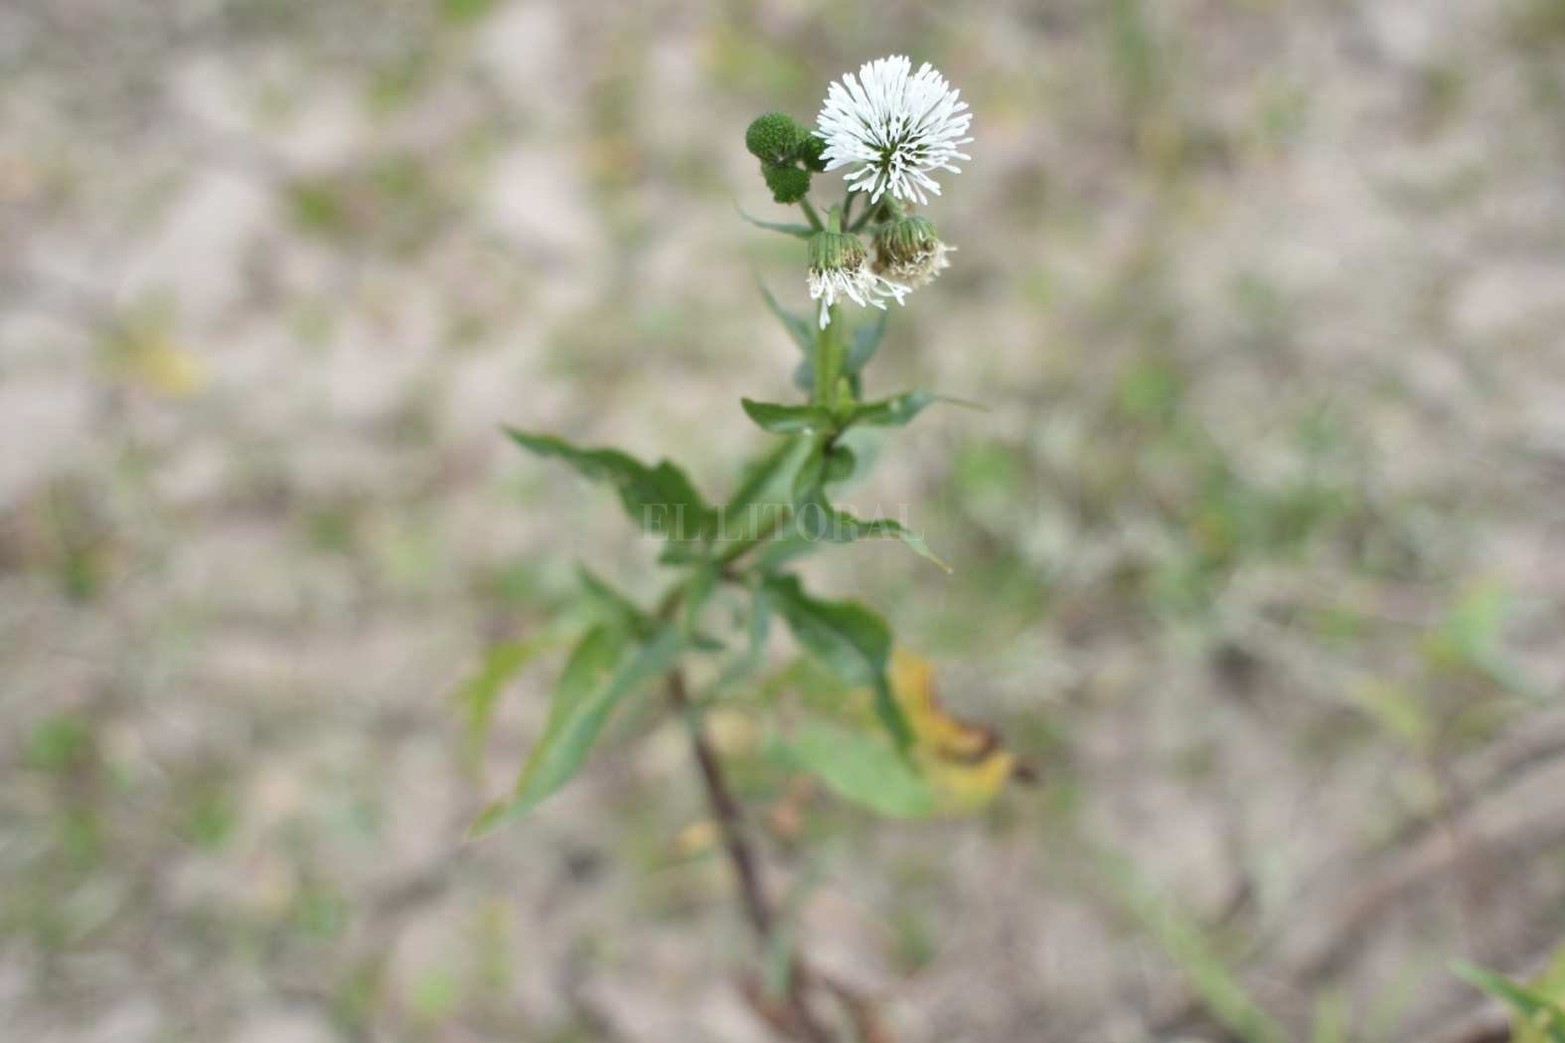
(857, 283)
(839, 267)
(898, 126)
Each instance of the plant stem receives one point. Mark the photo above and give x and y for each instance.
(828, 361)
(729, 814)
(725, 809)
(811, 215)
(739, 548)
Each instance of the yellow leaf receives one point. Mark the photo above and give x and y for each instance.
(963, 762)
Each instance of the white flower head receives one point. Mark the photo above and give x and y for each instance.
(840, 268)
(898, 126)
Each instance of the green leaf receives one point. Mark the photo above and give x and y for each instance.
(698, 591)
(849, 638)
(796, 230)
(864, 769)
(838, 526)
(660, 499)
(804, 377)
(597, 678)
(866, 341)
(759, 629)
(610, 606)
(682, 554)
(799, 328)
(787, 420)
(840, 463)
(1535, 1012)
(896, 411)
(479, 696)
(817, 520)
(760, 478)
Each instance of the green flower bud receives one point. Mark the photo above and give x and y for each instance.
(774, 138)
(813, 152)
(788, 184)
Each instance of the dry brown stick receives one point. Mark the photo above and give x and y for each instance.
(729, 814)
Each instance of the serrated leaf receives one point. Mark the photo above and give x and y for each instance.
(864, 769)
(798, 231)
(799, 328)
(660, 499)
(787, 420)
(597, 678)
(849, 638)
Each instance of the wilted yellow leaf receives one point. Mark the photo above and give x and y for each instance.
(964, 763)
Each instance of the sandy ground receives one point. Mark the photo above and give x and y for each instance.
(1258, 547)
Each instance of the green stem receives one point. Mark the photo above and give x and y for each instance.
(828, 361)
(810, 214)
(739, 548)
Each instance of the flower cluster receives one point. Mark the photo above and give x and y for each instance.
(894, 128)
(839, 267)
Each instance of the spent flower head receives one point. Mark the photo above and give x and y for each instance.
(896, 126)
(839, 267)
(908, 251)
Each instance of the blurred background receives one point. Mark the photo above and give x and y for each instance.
(1258, 551)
